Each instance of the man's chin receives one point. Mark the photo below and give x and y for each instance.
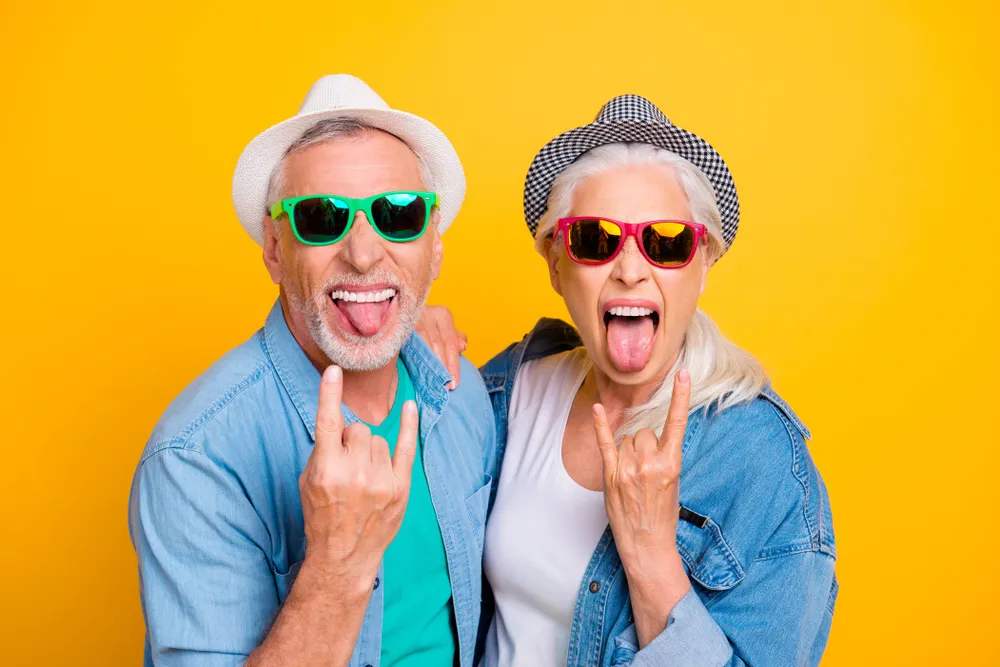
(355, 352)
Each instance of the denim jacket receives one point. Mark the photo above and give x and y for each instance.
(215, 514)
(755, 535)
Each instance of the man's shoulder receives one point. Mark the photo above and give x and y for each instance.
(238, 376)
(470, 397)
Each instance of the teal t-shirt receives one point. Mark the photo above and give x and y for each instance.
(418, 626)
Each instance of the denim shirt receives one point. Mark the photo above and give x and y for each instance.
(215, 515)
(755, 535)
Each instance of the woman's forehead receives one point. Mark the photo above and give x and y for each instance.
(632, 194)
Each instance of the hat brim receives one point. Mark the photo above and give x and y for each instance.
(262, 154)
(566, 148)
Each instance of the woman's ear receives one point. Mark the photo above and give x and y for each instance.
(706, 264)
(551, 252)
(272, 251)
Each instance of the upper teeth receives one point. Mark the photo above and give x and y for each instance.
(363, 297)
(625, 311)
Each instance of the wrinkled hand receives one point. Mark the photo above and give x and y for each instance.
(642, 481)
(437, 328)
(354, 493)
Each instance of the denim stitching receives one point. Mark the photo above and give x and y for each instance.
(183, 439)
(799, 474)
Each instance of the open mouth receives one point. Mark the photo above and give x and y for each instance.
(364, 312)
(631, 329)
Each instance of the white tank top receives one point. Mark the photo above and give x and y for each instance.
(544, 526)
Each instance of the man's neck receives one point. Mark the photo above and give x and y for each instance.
(368, 394)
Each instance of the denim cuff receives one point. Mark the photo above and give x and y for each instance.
(692, 638)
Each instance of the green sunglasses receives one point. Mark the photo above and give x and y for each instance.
(319, 220)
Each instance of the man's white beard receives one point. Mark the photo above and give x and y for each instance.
(361, 353)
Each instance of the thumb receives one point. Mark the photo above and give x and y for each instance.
(605, 441)
(406, 444)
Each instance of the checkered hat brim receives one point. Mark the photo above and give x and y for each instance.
(629, 119)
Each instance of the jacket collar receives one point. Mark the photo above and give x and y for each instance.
(552, 336)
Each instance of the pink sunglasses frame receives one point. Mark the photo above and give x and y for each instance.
(632, 229)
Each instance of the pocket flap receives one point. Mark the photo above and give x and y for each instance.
(708, 557)
(284, 582)
(477, 503)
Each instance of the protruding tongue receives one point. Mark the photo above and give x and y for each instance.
(630, 342)
(365, 317)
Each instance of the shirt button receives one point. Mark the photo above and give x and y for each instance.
(376, 586)
(594, 587)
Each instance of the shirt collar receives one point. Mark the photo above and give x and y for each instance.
(301, 379)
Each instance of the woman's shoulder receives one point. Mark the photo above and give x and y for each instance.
(765, 420)
(548, 382)
(749, 466)
(548, 337)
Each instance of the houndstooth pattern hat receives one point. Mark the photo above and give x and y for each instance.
(629, 119)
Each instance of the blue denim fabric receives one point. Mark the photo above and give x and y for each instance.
(215, 515)
(759, 549)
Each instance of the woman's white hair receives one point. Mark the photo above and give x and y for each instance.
(721, 373)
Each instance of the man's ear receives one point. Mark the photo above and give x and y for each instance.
(272, 251)
(437, 253)
(551, 253)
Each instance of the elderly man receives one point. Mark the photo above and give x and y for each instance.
(317, 497)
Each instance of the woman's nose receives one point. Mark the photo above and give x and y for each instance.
(631, 267)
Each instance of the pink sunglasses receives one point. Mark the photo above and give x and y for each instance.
(666, 244)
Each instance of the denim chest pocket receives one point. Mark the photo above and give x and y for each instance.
(476, 505)
(283, 582)
(710, 561)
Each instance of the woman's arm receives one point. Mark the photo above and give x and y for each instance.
(641, 495)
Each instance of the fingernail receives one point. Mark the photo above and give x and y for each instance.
(684, 376)
(410, 408)
(464, 346)
(332, 373)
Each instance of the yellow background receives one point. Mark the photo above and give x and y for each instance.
(863, 138)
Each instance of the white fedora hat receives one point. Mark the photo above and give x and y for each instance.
(344, 96)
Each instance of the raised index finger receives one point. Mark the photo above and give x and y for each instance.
(672, 437)
(329, 419)
(605, 441)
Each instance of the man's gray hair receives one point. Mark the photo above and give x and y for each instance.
(329, 130)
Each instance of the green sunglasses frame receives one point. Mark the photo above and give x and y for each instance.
(354, 205)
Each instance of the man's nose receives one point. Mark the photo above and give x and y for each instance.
(631, 268)
(363, 246)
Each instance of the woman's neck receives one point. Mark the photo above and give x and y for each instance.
(618, 398)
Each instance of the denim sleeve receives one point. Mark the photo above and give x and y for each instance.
(778, 615)
(208, 593)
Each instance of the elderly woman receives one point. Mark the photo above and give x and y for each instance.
(657, 503)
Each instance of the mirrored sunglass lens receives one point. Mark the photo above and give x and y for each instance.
(594, 240)
(668, 243)
(401, 216)
(321, 219)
